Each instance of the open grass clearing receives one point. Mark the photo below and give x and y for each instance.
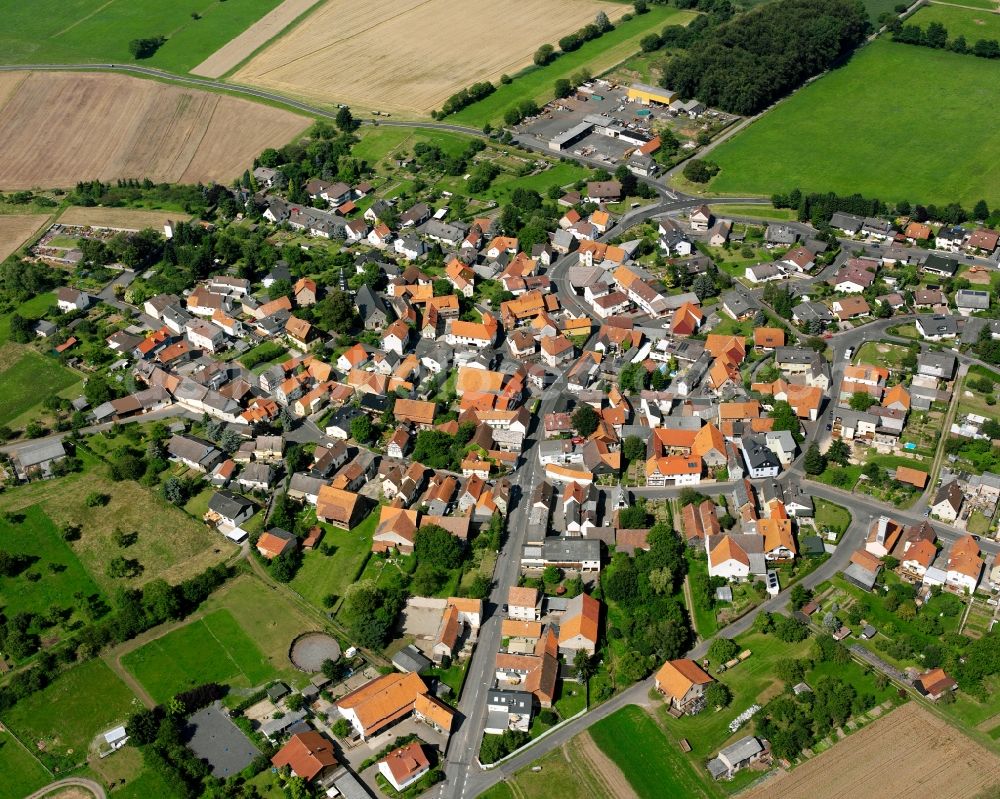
(653, 766)
(26, 377)
(170, 544)
(54, 31)
(973, 25)
(35, 308)
(61, 720)
(761, 211)
(881, 353)
(987, 5)
(212, 649)
(831, 515)
(62, 127)
(598, 55)
(401, 57)
(22, 773)
(866, 113)
(321, 574)
(125, 218)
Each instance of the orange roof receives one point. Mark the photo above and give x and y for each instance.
(582, 617)
(335, 503)
(466, 605)
(673, 465)
(667, 437)
(866, 560)
(306, 754)
(917, 231)
(769, 337)
(298, 328)
(863, 373)
(722, 370)
(478, 331)
(676, 677)
(777, 533)
(512, 628)
(733, 348)
(922, 552)
(450, 628)
(728, 549)
(416, 411)
(521, 597)
(481, 380)
(280, 304)
(914, 477)
(964, 557)
(686, 319)
(270, 546)
(435, 710)
(739, 410)
(897, 394)
(385, 699)
(707, 439)
(407, 762)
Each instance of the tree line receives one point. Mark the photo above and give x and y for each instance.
(745, 64)
(935, 36)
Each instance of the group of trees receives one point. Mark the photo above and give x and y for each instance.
(745, 64)
(370, 611)
(147, 47)
(935, 35)
(439, 450)
(465, 97)
(652, 625)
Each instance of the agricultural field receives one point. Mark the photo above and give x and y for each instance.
(169, 543)
(88, 31)
(865, 113)
(26, 377)
(15, 229)
(973, 25)
(237, 50)
(909, 751)
(407, 61)
(233, 642)
(212, 649)
(598, 56)
(62, 719)
(69, 127)
(23, 774)
(653, 765)
(126, 218)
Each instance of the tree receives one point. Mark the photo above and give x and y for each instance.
(717, 694)
(544, 54)
(336, 311)
(21, 329)
(838, 452)
(435, 546)
(862, 401)
(700, 171)
(583, 664)
(815, 461)
(634, 449)
(142, 727)
(563, 88)
(345, 119)
(650, 43)
(800, 596)
(145, 48)
(585, 420)
(981, 211)
(723, 650)
(602, 22)
(641, 7)
(362, 429)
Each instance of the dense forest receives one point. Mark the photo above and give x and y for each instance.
(745, 64)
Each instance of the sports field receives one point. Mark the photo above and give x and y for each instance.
(212, 649)
(59, 128)
(99, 31)
(599, 55)
(408, 56)
(15, 229)
(26, 377)
(971, 24)
(61, 720)
(864, 129)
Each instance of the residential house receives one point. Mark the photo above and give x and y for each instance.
(404, 766)
(947, 502)
(579, 626)
(683, 684)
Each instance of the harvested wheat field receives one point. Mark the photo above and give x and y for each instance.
(256, 36)
(123, 218)
(15, 229)
(910, 752)
(59, 128)
(409, 56)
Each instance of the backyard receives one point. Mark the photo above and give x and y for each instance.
(27, 377)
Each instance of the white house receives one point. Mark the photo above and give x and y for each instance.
(71, 300)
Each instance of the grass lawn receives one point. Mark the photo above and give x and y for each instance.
(989, 5)
(378, 143)
(562, 773)
(560, 174)
(978, 523)
(880, 353)
(26, 377)
(598, 55)
(830, 515)
(572, 699)
(56, 31)
(23, 774)
(148, 783)
(862, 114)
(170, 544)
(877, 8)
(704, 619)
(65, 716)
(212, 649)
(34, 308)
(499, 791)
(40, 539)
(333, 574)
(653, 765)
(757, 211)
(973, 25)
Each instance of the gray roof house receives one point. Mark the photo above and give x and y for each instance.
(937, 327)
(371, 309)
(848, 223)
(410, 660)
(735, 757)
(780, 234)
(230, 508)
(936, 364)
(195, 453)
(38, 458)
(808, 311)
(761, 460)
(972, 300)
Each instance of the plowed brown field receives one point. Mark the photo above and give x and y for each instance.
(59, 128)
(410, 55)
(15, 229)
(910, 752)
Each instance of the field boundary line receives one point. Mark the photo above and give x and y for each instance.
(4, 727)
(83, 19)
(225, 648)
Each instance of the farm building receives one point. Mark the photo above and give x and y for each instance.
(646, 94)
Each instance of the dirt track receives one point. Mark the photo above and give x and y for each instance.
(257, 35)
(410, 55)
(603, 769)
(59, 128)
(910, 752)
